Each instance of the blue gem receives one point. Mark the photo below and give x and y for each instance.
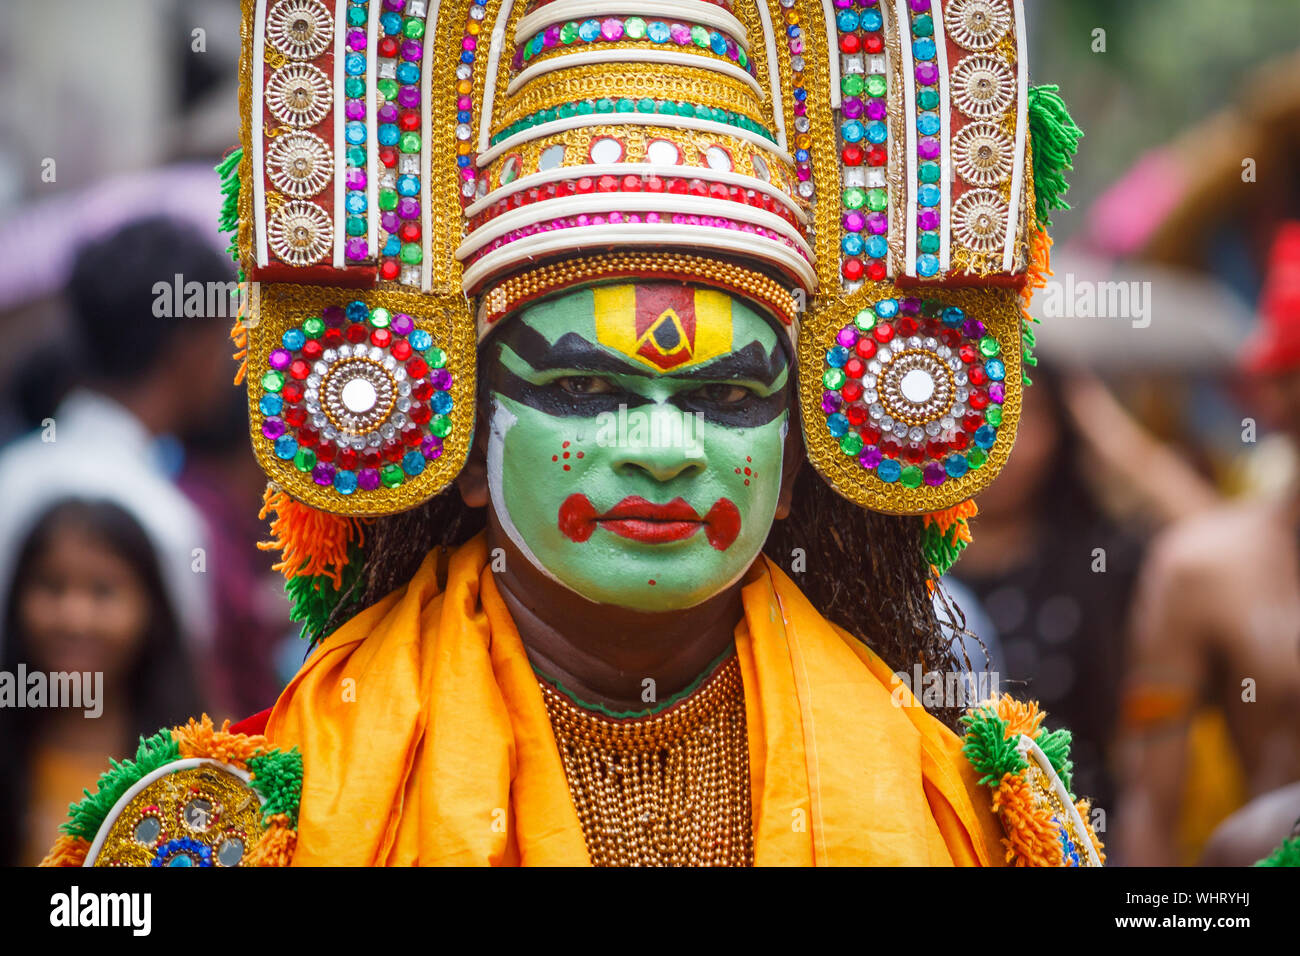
(658, 31)
(793, 31)
(877, 246)
(441, 403)
(718, 44)
(836, 356)
(355, 133)
(877, 132)
(927, 265)
(293, 339)
(391, 22)
(851, 131)
(802, 156)
(847, 21)
(271, 405)
(467, 57)
(345, 482)
(928, 195)
(357, 311)
(887, 308)
(800, 94)
(589, 30)
(997, 371)
(928, 124)
(408, 73)
(871, 20)
(285, 447)
(953, 316)
(888, 470)
(392, 246)
(408, 185)
(985, 435)
(852, 244)
(923, 49)
(464, 116)
(388, 134)
(462, 162)
(956, 466)
(356, 202)
(355, 64)
(413, 463)
(420, 340)
(837, 425)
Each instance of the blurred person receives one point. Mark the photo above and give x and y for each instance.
(144, 377)
(1217, 619)
(87, 597)
(1053, 572)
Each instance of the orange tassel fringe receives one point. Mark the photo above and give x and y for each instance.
(310, 541)
(959, 514)
(1031, 838)
(201, 738)
(239, 335)
(276, 846)
(67, 851)
(1022, 717)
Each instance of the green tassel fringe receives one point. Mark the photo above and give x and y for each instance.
(1055, 745)
(987, 748)
(1288, 854)
(940, 549)
(277, 778)
(1028, 340)
(228, 170)
(86, 817)
(1055, 140)
(313, 598)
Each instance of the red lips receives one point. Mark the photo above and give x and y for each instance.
(640, 520)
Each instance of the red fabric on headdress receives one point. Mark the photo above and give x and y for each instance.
(1274, 348)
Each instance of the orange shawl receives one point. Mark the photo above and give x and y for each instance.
(425, 740)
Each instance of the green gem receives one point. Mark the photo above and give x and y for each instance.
(354, 87)
(387, 88)
(911, 477)
(929, 172)
(876, 85)
(356, 156)
(380, 317)
(313, 327)
(568, 33)
(742, 58)
(931, 307)
(604, 105)
(567, 110)
(409, 143)
(545, 116)
(989, 346)
(305, 459)
(685, 109)
(923, 26)
(852, 84)
(356, 226)
(388, 199)
(356, 16)
(410, 253)
(851, 444)
(668, 108)
(703, 112)
(865, 320)
(700, 36)
(634, 28)
(391, 476)
(928, 242)
(833, 378)
(441, 426)
(877, 200)
(993, 415)
(625, 105)
(976, 457)
(436, 357)
(413, 28)
(586, 108)
(854, 198)
(927, 99)
(273, 381)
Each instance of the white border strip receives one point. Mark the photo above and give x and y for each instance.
(631, 119)
(706, 15)
(640, 234)
(1022, 120)
(634, 169)
(832, 51)
(886, 19)
(490, 81)
(628, 202)
(258, 144)
(945, 139)
(587, 57)
(187, 763)
(340, 146)
(1028, 748)
(426, 150)
(372, 132)
(773, 75)
(909, 131)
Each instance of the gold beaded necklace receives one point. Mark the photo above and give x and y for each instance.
(667, 789)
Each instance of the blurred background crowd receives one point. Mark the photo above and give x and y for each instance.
(1136, 568)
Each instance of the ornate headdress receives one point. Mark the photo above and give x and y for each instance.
(874, 174)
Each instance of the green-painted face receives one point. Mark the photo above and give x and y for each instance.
(636, 440)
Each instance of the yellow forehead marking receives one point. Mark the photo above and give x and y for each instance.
(663, 326)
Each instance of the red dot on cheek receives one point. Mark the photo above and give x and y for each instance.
(579, 454)
(746, 481)
(566, 467)
(652, 580)
(566, 454)
(555, 458)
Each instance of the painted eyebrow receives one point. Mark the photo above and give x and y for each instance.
(570, 351)
(751, 363)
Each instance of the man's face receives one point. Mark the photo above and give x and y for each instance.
(636, 436)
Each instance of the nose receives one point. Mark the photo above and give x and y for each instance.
(663, 441)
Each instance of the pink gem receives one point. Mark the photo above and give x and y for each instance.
(612, 29)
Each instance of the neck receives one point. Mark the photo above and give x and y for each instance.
(605, 655)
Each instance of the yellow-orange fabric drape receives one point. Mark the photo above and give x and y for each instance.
(425, 740)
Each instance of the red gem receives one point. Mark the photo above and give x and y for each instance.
(295, 415)
(370, 458)
(326, 452)
(950, 337)
(388, 156)
(883, 332)
(977, 375)
(381, 337)
(332, 338)
(389, 270)
(299, 369)
(718, 191)
(677, 187)
(869, 432)
(388, 48)
(412, 436)
(979, 399)
(292, 392)
(312, 350)
(606, 184)
(347, 458)
(852, 391)
(968, 353)
(854, 368)
(849, 43)
(959, 440)
(889, 447)
(417, 368)
(876, 271)
(876, 156)
(586, 184)
(653, 184)
(852, 155)
(420, 414)
(421, 391)
(971, 421)
(873, 43)
(866, 347)
(857, 416)
(308, 436)
(401, 350)
(698, 187)
(914, 452)
(356, 333)
(409, 121)
(936, 449)
(906, 326)
(631, 184)
(852, 269)
(394, 450)
(409, 231)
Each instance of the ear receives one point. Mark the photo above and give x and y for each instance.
(472, 482)
(792, 460)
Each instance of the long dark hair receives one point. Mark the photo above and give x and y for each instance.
(162, 689)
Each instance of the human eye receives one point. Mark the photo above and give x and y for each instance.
(584, 385)
(723, 393)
